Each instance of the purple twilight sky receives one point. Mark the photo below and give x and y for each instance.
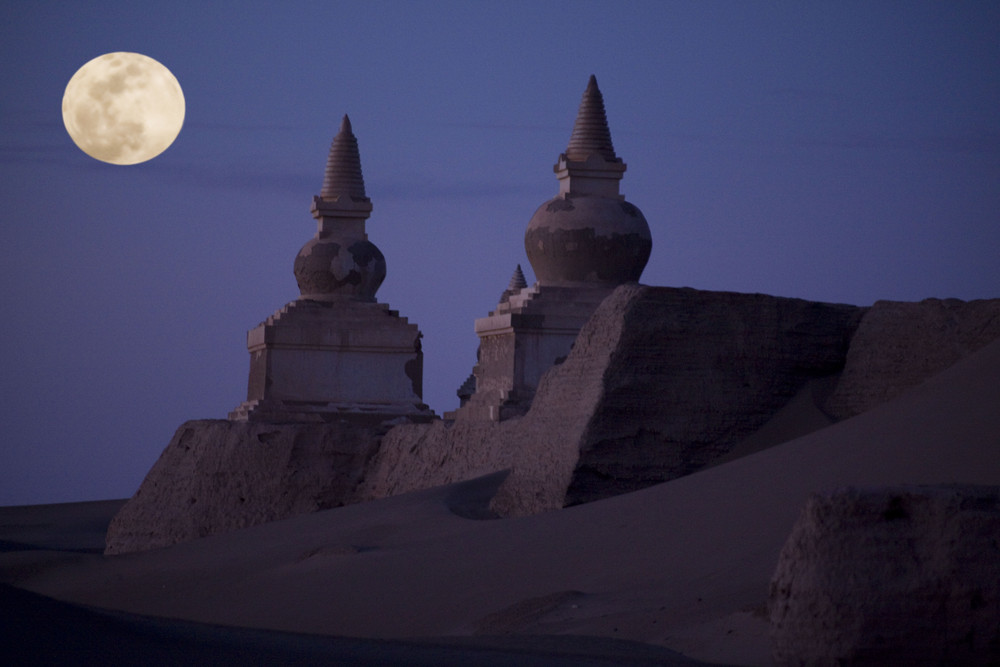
(838, 151)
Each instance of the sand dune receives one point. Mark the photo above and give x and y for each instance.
(683, 565)
(36, 630)
(64, 527)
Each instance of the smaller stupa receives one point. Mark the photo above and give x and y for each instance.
(335, 352)
(582, 244)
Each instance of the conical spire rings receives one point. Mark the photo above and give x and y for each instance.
(517, 280)
(591, 133)
(343, 166)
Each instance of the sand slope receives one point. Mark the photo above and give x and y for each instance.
(66, 526)
(36, 630)
(684, 565)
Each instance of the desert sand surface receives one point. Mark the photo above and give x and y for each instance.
(76, 527)
(683, 566)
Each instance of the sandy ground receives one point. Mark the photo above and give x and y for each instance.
(681, 567)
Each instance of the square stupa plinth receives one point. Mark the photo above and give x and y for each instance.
(322, 361)
(530, 331)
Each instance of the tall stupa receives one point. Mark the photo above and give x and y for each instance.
(582, 244)
(335, 352)
(588, 235)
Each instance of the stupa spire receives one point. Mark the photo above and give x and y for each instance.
(343, 166)
(589, 167)
(516, 284)
(591, 133)
(340, 262)
(517, 280)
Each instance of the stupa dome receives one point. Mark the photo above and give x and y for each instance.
(588, 233)
(587, 240)
(329, 268)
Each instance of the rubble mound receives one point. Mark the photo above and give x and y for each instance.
(892, 575)
(661, 382)
(218, 475)
(899, 344)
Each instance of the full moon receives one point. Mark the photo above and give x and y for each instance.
(123, 108)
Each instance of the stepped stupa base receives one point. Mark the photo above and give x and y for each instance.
(316, 361)
(278, 411)
(532, 329)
